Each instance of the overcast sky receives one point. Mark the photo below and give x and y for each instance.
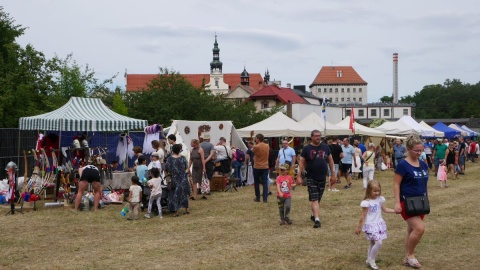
(435, 39)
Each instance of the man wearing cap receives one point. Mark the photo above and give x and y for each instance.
(438, 154)
(209, 154)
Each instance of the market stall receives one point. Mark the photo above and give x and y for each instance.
(78, 115)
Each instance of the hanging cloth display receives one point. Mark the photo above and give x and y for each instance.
(153, 132)
(124, 148)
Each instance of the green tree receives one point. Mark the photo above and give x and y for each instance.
(386, 99)
(118, 104)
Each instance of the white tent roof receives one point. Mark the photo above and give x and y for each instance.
(467, 129)
(314, 121)
(186, 130)
(275, 126)
(436, 133)
(405, 125)
(361, 129)
(82, 114)
(462, 132)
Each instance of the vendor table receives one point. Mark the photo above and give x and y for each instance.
(120, 180)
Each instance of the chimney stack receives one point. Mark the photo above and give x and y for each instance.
(289, 85)
(395, 78)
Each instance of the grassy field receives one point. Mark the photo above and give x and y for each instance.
(231, 231)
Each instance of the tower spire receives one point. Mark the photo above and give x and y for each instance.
(216, 65)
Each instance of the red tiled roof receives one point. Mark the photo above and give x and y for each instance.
(328, 76)
(285, 95)
(136, 82)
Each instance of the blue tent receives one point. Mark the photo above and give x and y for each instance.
(467, 129)
(449, 132)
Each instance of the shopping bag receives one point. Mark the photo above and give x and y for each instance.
(205, 187)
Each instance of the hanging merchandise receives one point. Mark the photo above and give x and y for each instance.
(124, 148)
(49, 142)
(153, 132)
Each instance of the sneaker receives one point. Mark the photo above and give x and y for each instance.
(372, 264)
(288, 221)
(147, 215)
(317, 224)
(160, 217)
(256, 200)
(312, 218)
(282, 222)
(346, 187)
(335, 190)
(204, 198)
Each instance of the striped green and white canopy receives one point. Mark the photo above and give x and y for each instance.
(82, 114)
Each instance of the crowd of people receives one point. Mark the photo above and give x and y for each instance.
(320, 166)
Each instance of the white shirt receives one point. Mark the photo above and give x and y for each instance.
(156, 185)
(374, 213)
(222, 152)
(135, 190)
(155, 164)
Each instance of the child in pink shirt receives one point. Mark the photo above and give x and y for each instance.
(284, 189)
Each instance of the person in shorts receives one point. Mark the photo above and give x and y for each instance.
(89, 174)
(313, 162)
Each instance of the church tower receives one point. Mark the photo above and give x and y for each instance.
(216, 85)
(266, 78)
(244, 77)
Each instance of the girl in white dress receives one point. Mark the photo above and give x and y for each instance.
(358, 154)
(375, 228)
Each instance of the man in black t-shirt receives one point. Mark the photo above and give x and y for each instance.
(313, 162)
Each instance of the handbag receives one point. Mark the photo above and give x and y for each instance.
(417, 205)
(205, 187)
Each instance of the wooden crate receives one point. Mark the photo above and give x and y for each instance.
(218, 183)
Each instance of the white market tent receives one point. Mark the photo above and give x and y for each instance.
(436, 133)
(404, 126)
(462, 132)
(276, 125)
(314, 121)
(361, 129)
(81, 114)
(469, 130)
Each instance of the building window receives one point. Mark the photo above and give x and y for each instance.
(386, 112)
(264, 104)
(354, 90)
(354, 99)
(319, 91)
(359, 99)
(405, 111)
(359, 90)
(347, 112)
(348, 90)
(324, 90)
(348, 99)
(343, 90)
(336, 99)
(343, 99)
(336, 90)
(360, 113)
(373, 112)
(216, 84)
(330, 90)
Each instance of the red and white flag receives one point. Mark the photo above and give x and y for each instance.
(352, 121)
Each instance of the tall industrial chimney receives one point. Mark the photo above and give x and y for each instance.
(395, 78)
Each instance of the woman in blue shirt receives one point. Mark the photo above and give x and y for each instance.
(411, 177)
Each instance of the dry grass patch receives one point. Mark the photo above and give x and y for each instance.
(230, 231)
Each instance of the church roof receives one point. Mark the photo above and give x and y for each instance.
(329, 75)
(285, 95)
(136, 82)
